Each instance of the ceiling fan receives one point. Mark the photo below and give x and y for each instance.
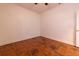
(44, 3)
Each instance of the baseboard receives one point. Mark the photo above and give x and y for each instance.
(37, 37)
(59, 41)
(18, 40)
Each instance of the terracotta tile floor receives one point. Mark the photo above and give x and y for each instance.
(38, 46)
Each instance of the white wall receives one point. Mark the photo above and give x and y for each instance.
(77, 29)
(58, 23)
(17, 23)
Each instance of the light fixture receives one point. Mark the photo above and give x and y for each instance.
(46, 3)
(35, 3)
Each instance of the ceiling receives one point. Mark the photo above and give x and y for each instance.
(40, 7)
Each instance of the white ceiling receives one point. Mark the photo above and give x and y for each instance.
(40, 7)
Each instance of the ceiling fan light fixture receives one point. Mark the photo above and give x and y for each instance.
(46, 3)
(35, 3)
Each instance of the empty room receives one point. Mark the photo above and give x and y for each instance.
(39, 29)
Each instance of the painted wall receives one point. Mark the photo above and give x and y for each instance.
(17, 23)
(58, 23)
(77, 29)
